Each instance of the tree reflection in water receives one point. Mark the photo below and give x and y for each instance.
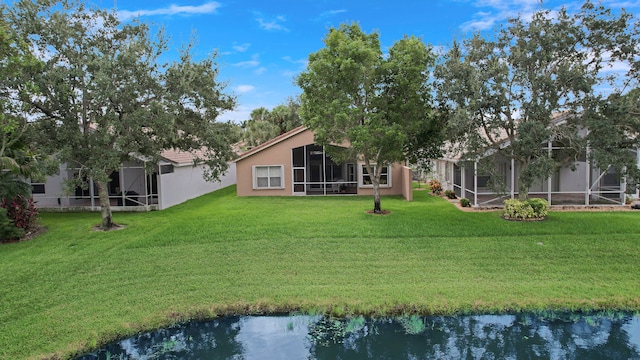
(521, 336)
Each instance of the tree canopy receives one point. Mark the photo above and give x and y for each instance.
(105, 98)
(504, 94)
(380, 104)
(19, 160)
(264, 125)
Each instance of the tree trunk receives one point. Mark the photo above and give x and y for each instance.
(105, 205)
(523, 188)
(376, 198)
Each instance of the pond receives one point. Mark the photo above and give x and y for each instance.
(610, 335)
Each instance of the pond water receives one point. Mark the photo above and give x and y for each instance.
(520, 336)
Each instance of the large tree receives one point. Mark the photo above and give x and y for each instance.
(614, 129)
(503, 92)
(379, 103)
(105, 98)
(19, 160)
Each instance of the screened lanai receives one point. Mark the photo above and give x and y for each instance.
(315, 173)
(577, 183)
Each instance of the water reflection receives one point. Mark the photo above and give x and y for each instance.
(521, 336)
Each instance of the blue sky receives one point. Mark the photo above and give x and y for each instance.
(263, 45)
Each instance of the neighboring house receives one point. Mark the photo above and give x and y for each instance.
(577, 183)
(174, 180)
(291, 164)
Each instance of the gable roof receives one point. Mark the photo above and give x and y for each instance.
(179, 157)
(183, 158)
(270, 143)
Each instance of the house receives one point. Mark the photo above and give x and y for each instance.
(292, 165)
(579, 183)
(174, 180)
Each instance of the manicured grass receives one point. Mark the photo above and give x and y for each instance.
(73, 289)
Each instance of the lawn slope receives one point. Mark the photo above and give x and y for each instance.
(73, 289)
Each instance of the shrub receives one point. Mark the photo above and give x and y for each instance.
(435, 186)
(8, 230)
(523, 210)
(540, 207)
(450, 194)
(465, 202)
(21, 211)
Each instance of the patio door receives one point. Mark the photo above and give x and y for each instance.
(299, 171)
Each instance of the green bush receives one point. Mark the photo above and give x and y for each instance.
(18, 215)
(523, 210)
(450, 194)
(8, 230)
(465, 202)
(540, 207)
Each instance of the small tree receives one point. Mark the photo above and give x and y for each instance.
(503, 93)
(380, 104)
(105, 98)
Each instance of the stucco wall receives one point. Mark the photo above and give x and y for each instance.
(278, 154)
(396, 183)
(407, 183)
(186, 182)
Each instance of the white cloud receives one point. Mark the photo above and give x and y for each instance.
(242, 112)
(244, 88)
(302, 64)
(206, 8)
(254, 62)
(271, 24)
(623, 4)
(260, 70)
(290, 73)
(328, 14)
(496, 11)
(242, 47)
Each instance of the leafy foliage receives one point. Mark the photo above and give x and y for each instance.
(106, 99)
(450, 194)
(504, 94)
(435, 186)
(8, 231)
(264, 125)
(614, 129)
(465, 202)
(380, 104)
(533, 208)
(21, 213)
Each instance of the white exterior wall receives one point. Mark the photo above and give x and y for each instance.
(574, 180)
(186, 182)
(53, 190)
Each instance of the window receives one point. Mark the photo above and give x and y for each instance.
(166, 169)
(37, 188)
(268, 177)
(365, 178)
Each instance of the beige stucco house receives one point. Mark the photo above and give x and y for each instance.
(291, 164)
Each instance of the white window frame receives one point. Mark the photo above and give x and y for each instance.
(361, 171)
(268, 187)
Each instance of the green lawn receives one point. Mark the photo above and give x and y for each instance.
(73, 289)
